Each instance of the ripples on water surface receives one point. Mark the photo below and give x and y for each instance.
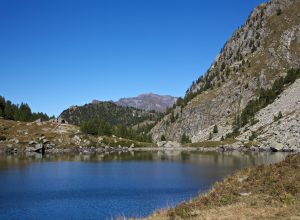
(106, 186)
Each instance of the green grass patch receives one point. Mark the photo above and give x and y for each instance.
(212, 144)
(115, 142)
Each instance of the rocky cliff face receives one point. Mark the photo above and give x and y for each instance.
(280, 133)
(149, 102)
(262, 50)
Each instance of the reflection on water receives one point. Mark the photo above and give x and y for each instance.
(102, 186)
(236, 159)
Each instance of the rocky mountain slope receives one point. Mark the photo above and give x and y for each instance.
(147, 102)
(282, 133)
(257, 54)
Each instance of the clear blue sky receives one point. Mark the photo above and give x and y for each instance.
(58, 53)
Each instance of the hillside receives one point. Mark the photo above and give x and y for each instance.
(258, 53)
(109, 112)
(28, 137)
(148, 102)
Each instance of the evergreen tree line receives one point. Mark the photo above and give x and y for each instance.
(21, 112)
(101, 127)
(267, 96)
(110, 112)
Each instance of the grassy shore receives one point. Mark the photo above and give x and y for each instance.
(18, 135)
(263, 192)
(212, 144)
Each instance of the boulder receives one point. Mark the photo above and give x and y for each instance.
(29, 149)
(46, 141)
(42, 138)
(76, 138)
(14, 140)
(9, 148)
(161, 143)
(245, 194)
(49, 146)
(87, 142)
(39, 148)
(275, 146)
(292, 142)
(32, 142)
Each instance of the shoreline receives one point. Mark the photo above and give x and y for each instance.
(260, 192)
(107, 149)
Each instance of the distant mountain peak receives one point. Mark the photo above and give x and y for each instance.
(95, 101)
(149, 101)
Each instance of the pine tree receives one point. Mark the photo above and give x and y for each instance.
(24, 113)
(185, 139)
(180, 102)
(2, 106)
(215, 129)
(210, 136)
(172, 118)
(279, 12)
(10, 111)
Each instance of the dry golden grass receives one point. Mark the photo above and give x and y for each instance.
(25, 132)
(59, 134)
(263, 192)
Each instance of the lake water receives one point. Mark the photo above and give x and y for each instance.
(112, 185)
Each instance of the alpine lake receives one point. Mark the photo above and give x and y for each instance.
(112, 185)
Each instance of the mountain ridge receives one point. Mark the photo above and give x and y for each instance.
(257, 54)
(146, 101)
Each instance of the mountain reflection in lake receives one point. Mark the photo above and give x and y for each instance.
(108, 185)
